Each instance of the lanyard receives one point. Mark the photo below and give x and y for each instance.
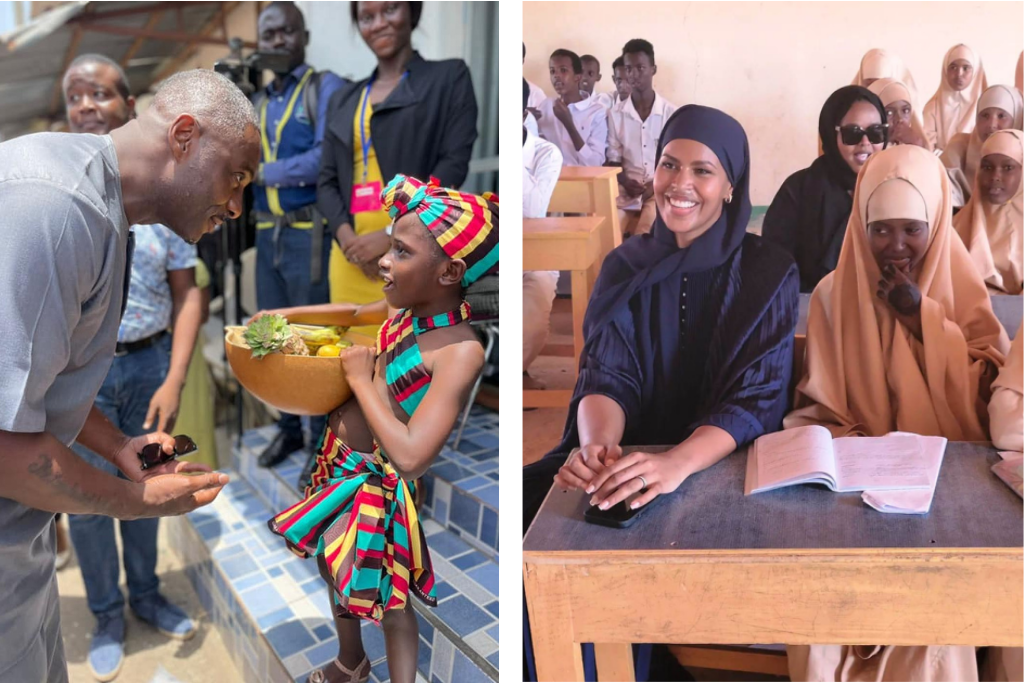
(364, 133)
(270, 153)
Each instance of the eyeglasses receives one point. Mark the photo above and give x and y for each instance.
(152, 455)
(852, 134)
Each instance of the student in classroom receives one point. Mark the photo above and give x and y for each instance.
(542, 162)
(688, 334)
(877, 64)
(902, 115)
(591, 77)
(633, 132)
(809, 213)
(901, 272)
(952, 108)
(990, 225)
(1006, 409)
(621, 82)
(573, 120)
(537, 95)
(999, 108)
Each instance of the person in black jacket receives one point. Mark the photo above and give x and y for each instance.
(410, 116)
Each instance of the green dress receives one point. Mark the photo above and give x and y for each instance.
(196, 412)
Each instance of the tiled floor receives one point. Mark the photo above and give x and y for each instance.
(276, 606)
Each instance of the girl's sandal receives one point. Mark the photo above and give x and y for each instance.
(358, 675)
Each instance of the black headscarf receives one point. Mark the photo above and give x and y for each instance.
(835, 108)
(643, 261)
(809, 215)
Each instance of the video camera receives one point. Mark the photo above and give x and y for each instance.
(246, 72)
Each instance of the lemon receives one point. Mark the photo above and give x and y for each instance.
(329, 351)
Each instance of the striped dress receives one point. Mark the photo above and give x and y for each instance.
(358, 513)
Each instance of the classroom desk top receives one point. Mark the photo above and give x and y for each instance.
(799, 565)
(972, 509)
(583, 173)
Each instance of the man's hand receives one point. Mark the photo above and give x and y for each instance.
(536, 113)
(175, 494)
(164, 407)
(128, 461)
(367, 249)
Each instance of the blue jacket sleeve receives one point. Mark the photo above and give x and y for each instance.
(304, 168)
(611, 367)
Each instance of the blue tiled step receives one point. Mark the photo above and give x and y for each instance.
(274, 612)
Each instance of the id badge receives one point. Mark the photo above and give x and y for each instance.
(366, 197)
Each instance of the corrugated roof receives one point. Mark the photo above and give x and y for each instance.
(32, 57)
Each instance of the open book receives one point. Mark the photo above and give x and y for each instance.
(809, 455)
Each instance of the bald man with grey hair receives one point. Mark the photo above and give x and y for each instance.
(65, 248)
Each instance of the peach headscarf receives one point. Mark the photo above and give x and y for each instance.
(963, 153)
(949, 112)
(864, 372)
(1019, 79)
(891, 90)
(878, 63)
(991, 233)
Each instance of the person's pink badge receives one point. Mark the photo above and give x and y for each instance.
(366, 197)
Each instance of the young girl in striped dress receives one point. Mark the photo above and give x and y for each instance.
(358, 518)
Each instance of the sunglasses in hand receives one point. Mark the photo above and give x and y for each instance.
(153, 455)
(852, 134)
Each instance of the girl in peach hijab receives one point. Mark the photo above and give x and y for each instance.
(1005, 408)
(877, 64)
(951, 109)
(990, 225)
(900, 337)
(999, 108)
(901, 112)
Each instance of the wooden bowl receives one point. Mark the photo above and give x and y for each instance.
(300, 385)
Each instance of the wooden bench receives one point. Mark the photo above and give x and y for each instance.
(590, 190)
(570, 243)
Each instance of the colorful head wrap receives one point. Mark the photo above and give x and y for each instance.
(464, 225)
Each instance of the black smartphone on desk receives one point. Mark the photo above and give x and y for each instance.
(620, 515)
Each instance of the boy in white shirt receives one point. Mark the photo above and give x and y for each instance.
(633, 131)
(537, 95)
(591, 76)
(542, 162)
(621, 82)
(575, 122)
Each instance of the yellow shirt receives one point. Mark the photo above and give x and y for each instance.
(348, 283)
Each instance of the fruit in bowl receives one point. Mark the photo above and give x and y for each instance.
(281, 363)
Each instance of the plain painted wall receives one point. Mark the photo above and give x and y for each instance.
(771, 65)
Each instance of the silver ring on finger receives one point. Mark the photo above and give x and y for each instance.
(642, 480)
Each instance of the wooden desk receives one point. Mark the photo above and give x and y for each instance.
(570, 243)
(799, 565)
(591, 190)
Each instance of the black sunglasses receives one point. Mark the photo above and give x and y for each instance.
(152, 455)
(852, 133)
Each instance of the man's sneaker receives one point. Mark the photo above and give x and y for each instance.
(106, 651)
(169, 619)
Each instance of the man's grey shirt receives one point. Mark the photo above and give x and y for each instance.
(63, 241)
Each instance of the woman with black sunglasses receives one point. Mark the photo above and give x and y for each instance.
(809, 213)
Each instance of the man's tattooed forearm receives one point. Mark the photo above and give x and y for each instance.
(47, 471)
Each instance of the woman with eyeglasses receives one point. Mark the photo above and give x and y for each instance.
(900, 337)
(808, 216)
(999, 108)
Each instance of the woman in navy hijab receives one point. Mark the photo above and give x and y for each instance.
(689, 332)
